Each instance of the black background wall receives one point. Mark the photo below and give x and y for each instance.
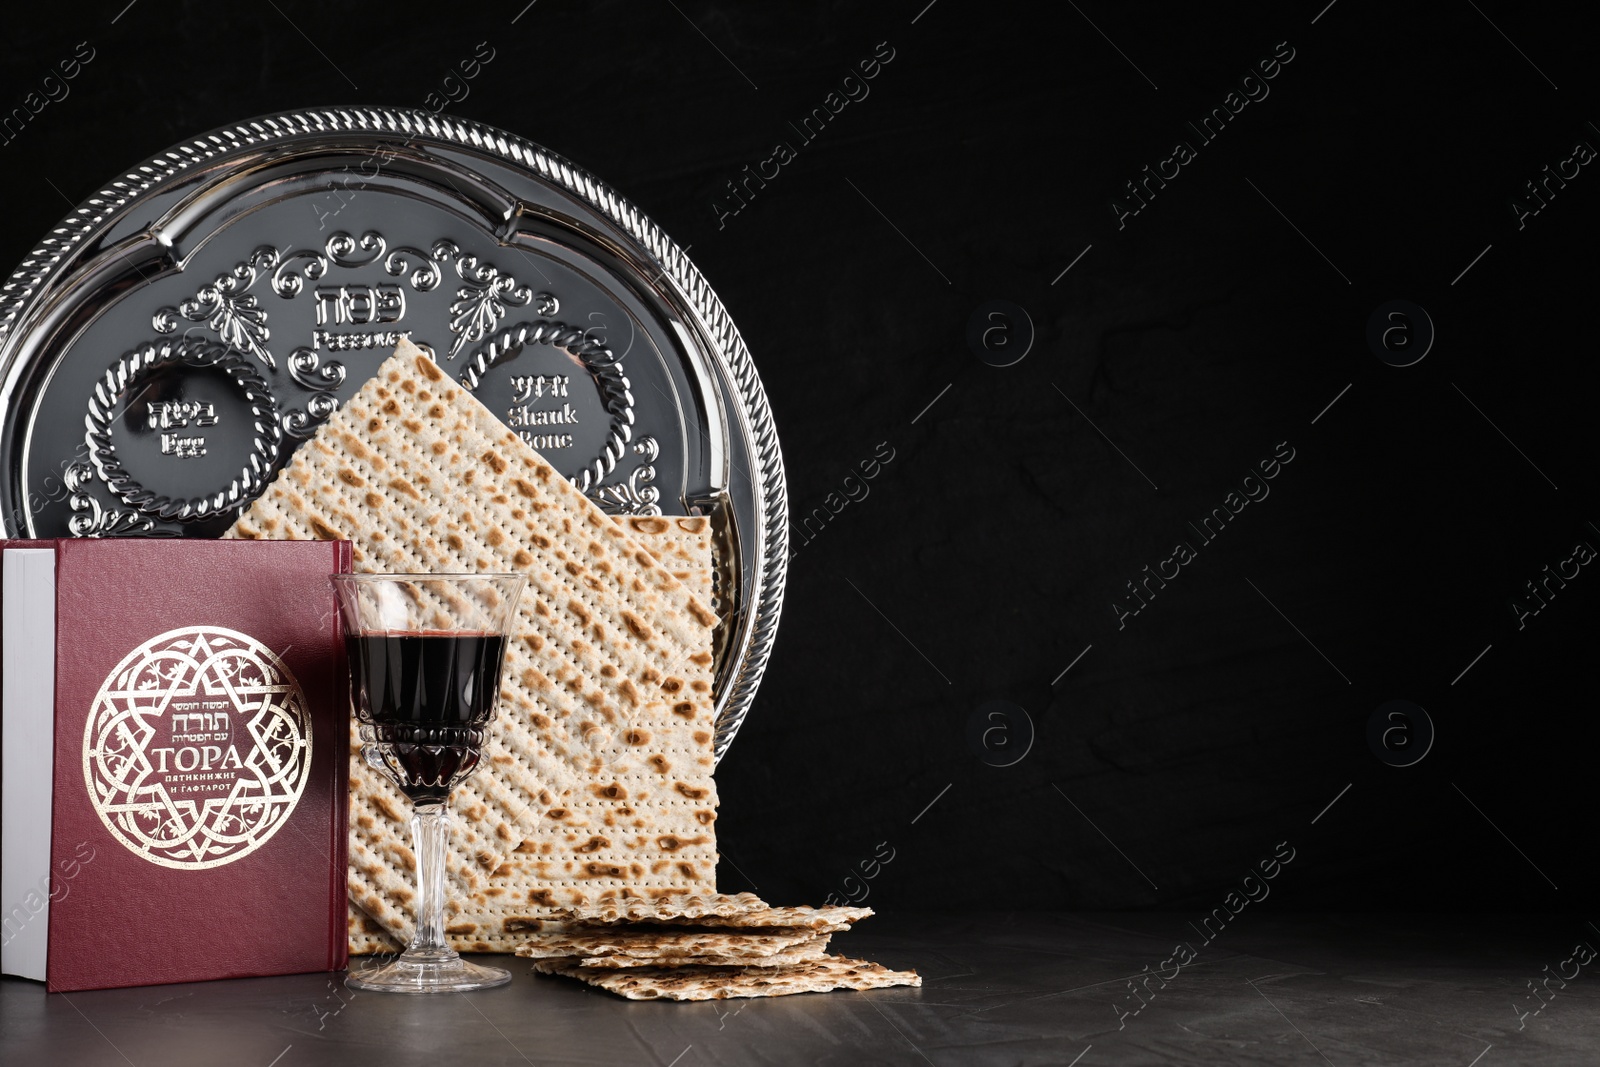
(1139, 760)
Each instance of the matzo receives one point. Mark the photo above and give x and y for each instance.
(628, 906)
(742, 911)
(652, 943)
(502, 929)
(421, 477)
(367, 935)
(498, 917)
(624, 829)
(815, 949)
(681, 544)
(724, 983)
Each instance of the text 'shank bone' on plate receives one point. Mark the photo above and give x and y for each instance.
(174, 339)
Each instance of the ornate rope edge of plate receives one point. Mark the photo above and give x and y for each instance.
(25, 281)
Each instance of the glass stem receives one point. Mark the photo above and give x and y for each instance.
(430, 833)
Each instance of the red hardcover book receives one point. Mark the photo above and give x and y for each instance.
(199, 795)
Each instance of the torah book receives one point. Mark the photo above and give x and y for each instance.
(176, 753)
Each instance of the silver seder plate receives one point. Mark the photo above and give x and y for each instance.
(169, 345)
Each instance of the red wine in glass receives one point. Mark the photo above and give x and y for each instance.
(425, 700)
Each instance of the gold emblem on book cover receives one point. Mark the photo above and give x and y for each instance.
(197, 747)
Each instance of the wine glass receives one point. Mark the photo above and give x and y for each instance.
(425, 652)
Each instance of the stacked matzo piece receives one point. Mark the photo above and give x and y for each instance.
(725, 983)
(711, 948)
(598, 767)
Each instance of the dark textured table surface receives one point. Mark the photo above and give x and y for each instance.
(1016, 989)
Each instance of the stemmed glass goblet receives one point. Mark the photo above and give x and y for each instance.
(425, 652)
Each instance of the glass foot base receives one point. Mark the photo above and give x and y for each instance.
(436, 972)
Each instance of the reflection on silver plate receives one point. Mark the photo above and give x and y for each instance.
(169, 345)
